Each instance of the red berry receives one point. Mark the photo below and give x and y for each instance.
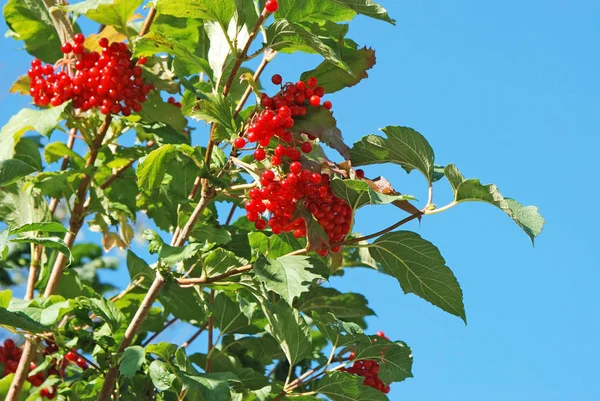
(312, 82)
(306, 147)
(327, 104)
(142, 60)
(66, 48)
(276, 79)
(78, 48)
(79, 38)
(260, 224)
(271, 6)
(295, 167)
(259, 154)
(239, 143)
(360, 173)
(71, 356)
(103, 42)
(315, 100)
(319, 91)
(9, 344)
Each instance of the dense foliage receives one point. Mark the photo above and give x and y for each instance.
(257, 284)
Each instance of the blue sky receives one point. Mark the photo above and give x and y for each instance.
(509, 92)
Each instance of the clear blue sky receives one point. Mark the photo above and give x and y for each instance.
(509, 92)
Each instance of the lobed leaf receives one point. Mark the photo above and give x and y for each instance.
(403, 146)
(359, 193)
(471, 190)
(131, 361)
(221, 11)
(342, 386)
(288, 276)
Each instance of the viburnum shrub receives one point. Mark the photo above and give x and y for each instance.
(257, 215)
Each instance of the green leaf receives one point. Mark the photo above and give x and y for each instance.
(20, 320)
(313, 11)
(108, 12)
(162, 350)
(333, 78)
(42, 121)
(274, 245)
(188, 32)
(172, 255)
(394, 358)
(420, 269)
(230, 316)
(342, 386)
(212, 387)
(289, 328)
(46, 227)
(131, 361)
(471, 190)
(106, 310)
(46, 311)
(319, 122)
(20, 205)
(151, 170)
(403, 146)
(368, 8)
(209, 232)
(156, 110)
(288, 37)
(28, 150)
(12, 170)
(211, 10)
(161, 376)
(56, 151)
(48, 242)
(350, 306)
(219, 261)
(338, 332)
(155, 42)
(288, 276)
(216, 109)
(358, 193)
(5, 297)
(31, 23)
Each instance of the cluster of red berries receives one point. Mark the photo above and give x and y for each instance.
(171, 100)
(369, 369)
(109, 80)
(288, 183)
(10, 355)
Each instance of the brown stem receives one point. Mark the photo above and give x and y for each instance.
(158, 333)
(63, 166)
(151, 296)
(195, 335)
(269, 54)
(108, 182)
(79, 209)
(210, 334)
(21, 373)
(231, 213)
(148, 21)
(61, 21)
(208, 280)
(207, 195)
(111, 376)
(378, 233)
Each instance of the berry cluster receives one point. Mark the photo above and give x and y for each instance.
(369, 369)
(288, 183)
(10, 355)
(110, 80)
(171, 100)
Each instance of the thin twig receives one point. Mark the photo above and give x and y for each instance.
(379, 233)
(158, 333)
(230, 215)
(194, 336)
(268, 56)
(208, 280)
